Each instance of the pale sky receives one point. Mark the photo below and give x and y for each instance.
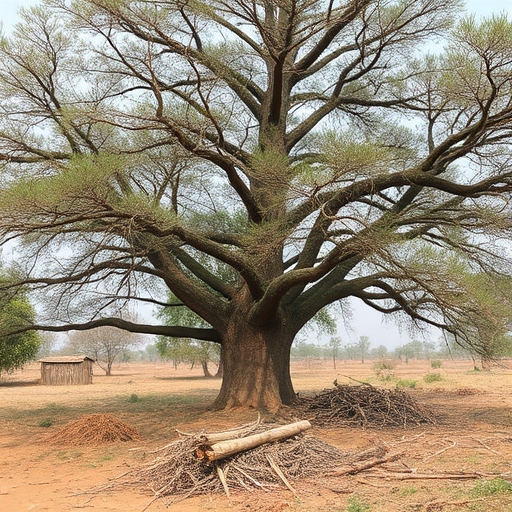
(8, 8)
(365, 321)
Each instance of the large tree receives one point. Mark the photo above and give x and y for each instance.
(260, 160)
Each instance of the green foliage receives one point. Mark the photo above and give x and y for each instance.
(491, 488)
(16, 313)
(133, 398)
(408, 491)
(435, 364)
(384, 369)
(413, 349)
(356, 504)
(303, 350)
(406, 383)
(47, 422)
(432, 377)
(185, 350)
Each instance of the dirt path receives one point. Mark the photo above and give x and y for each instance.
(473, 435)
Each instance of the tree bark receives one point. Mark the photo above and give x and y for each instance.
(224, 449)
(206, 371)
(256, 364)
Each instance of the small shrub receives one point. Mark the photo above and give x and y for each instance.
(408, 491)
(435, 364)
(405, 383)
(134, 398)
(491, 488)
(384, 369)
(432, 377)
(47, 422)
(356, 505)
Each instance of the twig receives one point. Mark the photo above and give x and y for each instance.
(404, 440)
(437, 505)
(440, 451)
(357, 468)
(222, 478)
(427, 476)
(355, 380)
(485, 446)
(280, 474)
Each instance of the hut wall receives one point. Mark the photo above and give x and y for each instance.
(65, 374)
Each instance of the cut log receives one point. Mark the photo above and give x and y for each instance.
(209, 453)
(215, 437)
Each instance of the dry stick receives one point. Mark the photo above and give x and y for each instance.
(436, 505)
(404, 440)
(453, 445)
(357, 468)
(222, 478)
(427, 476)
(249, 477)
(358, 381)
(209, 453)
(485, 446)
(280, 474)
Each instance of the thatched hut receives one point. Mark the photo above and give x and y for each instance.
(66, 370)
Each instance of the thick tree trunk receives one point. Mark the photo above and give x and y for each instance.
(206, 371)
(256, 364)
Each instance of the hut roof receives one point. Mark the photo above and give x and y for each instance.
(65, 359)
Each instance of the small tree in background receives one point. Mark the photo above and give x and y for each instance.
(184, 350)
(363, 346)
(103, 344)
(334, 346)
(16, 349)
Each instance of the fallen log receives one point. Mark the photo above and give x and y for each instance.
(223, 449)
(215, 437)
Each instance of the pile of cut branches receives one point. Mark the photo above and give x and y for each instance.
(365, 405)
(194, 465)
(94, 429)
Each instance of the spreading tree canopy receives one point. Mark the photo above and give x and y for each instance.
(259, 160)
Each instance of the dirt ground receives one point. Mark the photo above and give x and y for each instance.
(451, 466)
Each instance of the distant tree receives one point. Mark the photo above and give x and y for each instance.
(187, 349)
(334, 346)
(363, 346)
(498, 348)
(15, 313)
(410, 350)
(151, 352)
(103, 344)
(350, 351)
(46, 344)
(193, 352)
(379, 352)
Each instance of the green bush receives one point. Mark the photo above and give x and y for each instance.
(491, 488)
(134, 398)
(357, 505)
(405, 383)
(384, 369)
(47, 422)
(432, 377)
(435, 364)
